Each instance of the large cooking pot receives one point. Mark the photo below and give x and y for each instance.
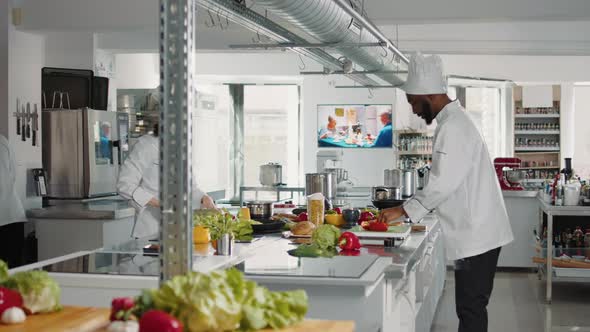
(409, 182)
(386, 193)
(271, 174)
(392, 178)
(260, 210)
(324, 183)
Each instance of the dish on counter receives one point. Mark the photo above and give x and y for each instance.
(289, 234)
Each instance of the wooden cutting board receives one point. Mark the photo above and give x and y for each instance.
(86, 319)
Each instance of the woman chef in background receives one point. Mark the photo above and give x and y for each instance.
(139, 181)
(12, 214)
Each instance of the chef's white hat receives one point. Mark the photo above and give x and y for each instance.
(425, 76)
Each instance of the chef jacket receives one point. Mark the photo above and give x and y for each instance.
(11, 207)
(463, 188)
(139, 181)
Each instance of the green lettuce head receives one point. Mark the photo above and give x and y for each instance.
(326, 236)
(39, 291)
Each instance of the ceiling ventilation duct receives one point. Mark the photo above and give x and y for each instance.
(242, 15)
(328, 23)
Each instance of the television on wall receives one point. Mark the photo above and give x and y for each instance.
(355, 126)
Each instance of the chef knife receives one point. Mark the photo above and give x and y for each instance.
(35, 120)
(22, 127)
(28, 121)
(17, 115)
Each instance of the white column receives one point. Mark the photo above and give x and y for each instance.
(567, 121)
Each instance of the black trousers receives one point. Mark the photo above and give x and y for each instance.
(474, 281)
(12, 242)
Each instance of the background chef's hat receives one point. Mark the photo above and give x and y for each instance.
(425, 76)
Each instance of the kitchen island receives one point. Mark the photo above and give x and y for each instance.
(72, 227)
(387, 289)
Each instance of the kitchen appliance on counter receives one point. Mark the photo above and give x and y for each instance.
(271, 175)
(328, 159)
(508, 173)
(392, 178)
(81, 152)
(409, 180)
(423, 174)
(324, 183)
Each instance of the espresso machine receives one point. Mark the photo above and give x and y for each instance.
(508, 173)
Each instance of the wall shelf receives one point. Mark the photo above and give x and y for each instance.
(536, 149)
(414, 153)
(536, 132)
(536, 116)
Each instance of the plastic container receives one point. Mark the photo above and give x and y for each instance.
(315, 208)
(571, 195)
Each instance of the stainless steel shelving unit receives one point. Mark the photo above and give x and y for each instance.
(546, 270)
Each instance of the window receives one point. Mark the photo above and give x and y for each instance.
(212, 139)
(271, 131)
(483, 106)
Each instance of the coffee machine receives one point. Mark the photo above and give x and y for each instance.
(509, 179)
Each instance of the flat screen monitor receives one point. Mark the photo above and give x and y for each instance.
(356, 126)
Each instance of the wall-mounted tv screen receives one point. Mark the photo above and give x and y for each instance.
(355, 126)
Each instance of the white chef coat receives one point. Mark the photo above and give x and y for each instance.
(139, 181)
(11, 207)
(463, 188)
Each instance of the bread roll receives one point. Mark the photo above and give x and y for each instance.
(303, 228)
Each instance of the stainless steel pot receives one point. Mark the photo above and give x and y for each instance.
(392, 178)
(341, 173)
(324, 183)
(260, 210)
(386, 193)
(409, 182)
(271, 174)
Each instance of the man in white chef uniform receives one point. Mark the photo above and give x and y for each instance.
(463, 189)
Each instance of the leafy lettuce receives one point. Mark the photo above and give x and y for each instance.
(39, 291)
(325, 237)
(222, 301)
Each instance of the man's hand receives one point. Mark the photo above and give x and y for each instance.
(391, 214)
(207, 203)
(154, 202)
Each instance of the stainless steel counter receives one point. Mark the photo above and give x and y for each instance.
(96, 210)
(520, 193)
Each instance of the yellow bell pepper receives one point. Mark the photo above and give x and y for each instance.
(335, 219)
(201, 235)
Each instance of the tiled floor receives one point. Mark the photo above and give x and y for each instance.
(518, 305)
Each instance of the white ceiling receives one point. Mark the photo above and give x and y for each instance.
(437, 11)
(523, 27)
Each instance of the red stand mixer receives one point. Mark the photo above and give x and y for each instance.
(510, 179)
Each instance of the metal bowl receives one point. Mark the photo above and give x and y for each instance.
(515, 176)
(386, 193)
(260, 210)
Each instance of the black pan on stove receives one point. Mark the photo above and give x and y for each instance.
(268, 226)
(388, 203)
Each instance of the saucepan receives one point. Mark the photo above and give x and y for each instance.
(260, 210)
(386, 193)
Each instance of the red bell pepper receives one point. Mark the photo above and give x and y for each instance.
(338, 210)
(366, 216)
(158, 321)
(9, 298)
(365, 225)
(302, 216)
(378, 227)
(349, 241)
(121, 308)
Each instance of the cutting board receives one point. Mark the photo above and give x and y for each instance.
(86, 319)
(398, 232)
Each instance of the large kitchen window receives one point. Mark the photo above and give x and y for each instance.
(239, 127)
(271, 131)
(483, 105)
